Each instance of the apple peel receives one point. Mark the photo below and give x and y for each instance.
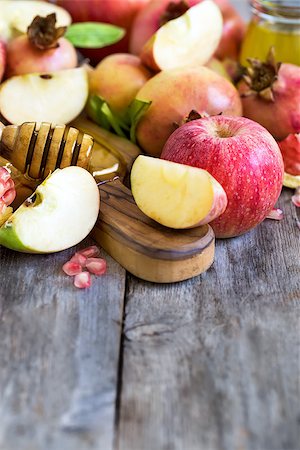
(176, 195)
(173, 45)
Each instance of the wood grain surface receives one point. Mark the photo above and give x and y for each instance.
(207, 364)
(59, 354)
(213, 362)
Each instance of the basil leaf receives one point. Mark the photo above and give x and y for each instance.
(93, 34)
(136, 110)
(100, 112)
(94, 110)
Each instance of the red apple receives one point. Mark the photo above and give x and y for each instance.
(242, 156)
(116, 12)
(2, 59)
(151, 17)
(174, 93)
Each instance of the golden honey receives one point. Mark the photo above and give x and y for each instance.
(274, 23)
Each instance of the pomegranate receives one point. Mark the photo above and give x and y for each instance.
(2, 59)
(7, 194)
(242, 156)
(270, 94)
(43, 49)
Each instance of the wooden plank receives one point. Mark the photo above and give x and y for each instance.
(213, 363)
(59, 354)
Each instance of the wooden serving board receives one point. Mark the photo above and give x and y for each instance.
(143, 247)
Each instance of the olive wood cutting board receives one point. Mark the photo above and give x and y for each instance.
(145, 248)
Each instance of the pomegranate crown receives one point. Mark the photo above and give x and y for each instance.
(43, 34)
(260, 76)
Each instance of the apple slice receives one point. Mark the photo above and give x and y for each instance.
(176, 195)
(16, 16)
(59, 214)
(56, 97)
(189, 40)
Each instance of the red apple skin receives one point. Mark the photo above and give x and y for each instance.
(116, 12)
(243, 157)
(174, 93)
(2, 59)
(36, 60)
(147, 23)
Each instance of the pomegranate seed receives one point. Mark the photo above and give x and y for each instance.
(71, 268)
(275, 214)
(3, 206)
(82, 280)
(9, 184)
(9, 196)
(96, 265)
(296, 197)
(2, 188)
(90, 252)
(4, 174)
(78, 258)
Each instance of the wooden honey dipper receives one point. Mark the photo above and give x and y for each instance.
(38, 150)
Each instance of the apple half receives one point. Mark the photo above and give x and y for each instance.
(189, 40)
(59, 214)
(176, 195)
(56, 97)
(16, 16)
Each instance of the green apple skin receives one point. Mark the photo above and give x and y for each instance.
(59, 214)
(9, 239)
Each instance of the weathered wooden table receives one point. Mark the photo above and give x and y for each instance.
(207, 364)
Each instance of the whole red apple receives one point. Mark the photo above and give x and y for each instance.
(116, 12)
(2, 59)
(242, 156)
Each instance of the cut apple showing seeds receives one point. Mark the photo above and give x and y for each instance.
(176, 195)
(189, 40)
(59, 214)
(56, 97)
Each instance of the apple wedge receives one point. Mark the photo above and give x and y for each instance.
(59, 214)
(176, 195)
(56, 97)
(189, 40)
(16, 16)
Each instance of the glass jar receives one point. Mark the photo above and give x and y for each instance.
(274, 23)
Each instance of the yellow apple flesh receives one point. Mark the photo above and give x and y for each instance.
(176, 195)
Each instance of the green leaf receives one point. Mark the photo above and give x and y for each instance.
(100, 112)
(136, 110)
(93, 34)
